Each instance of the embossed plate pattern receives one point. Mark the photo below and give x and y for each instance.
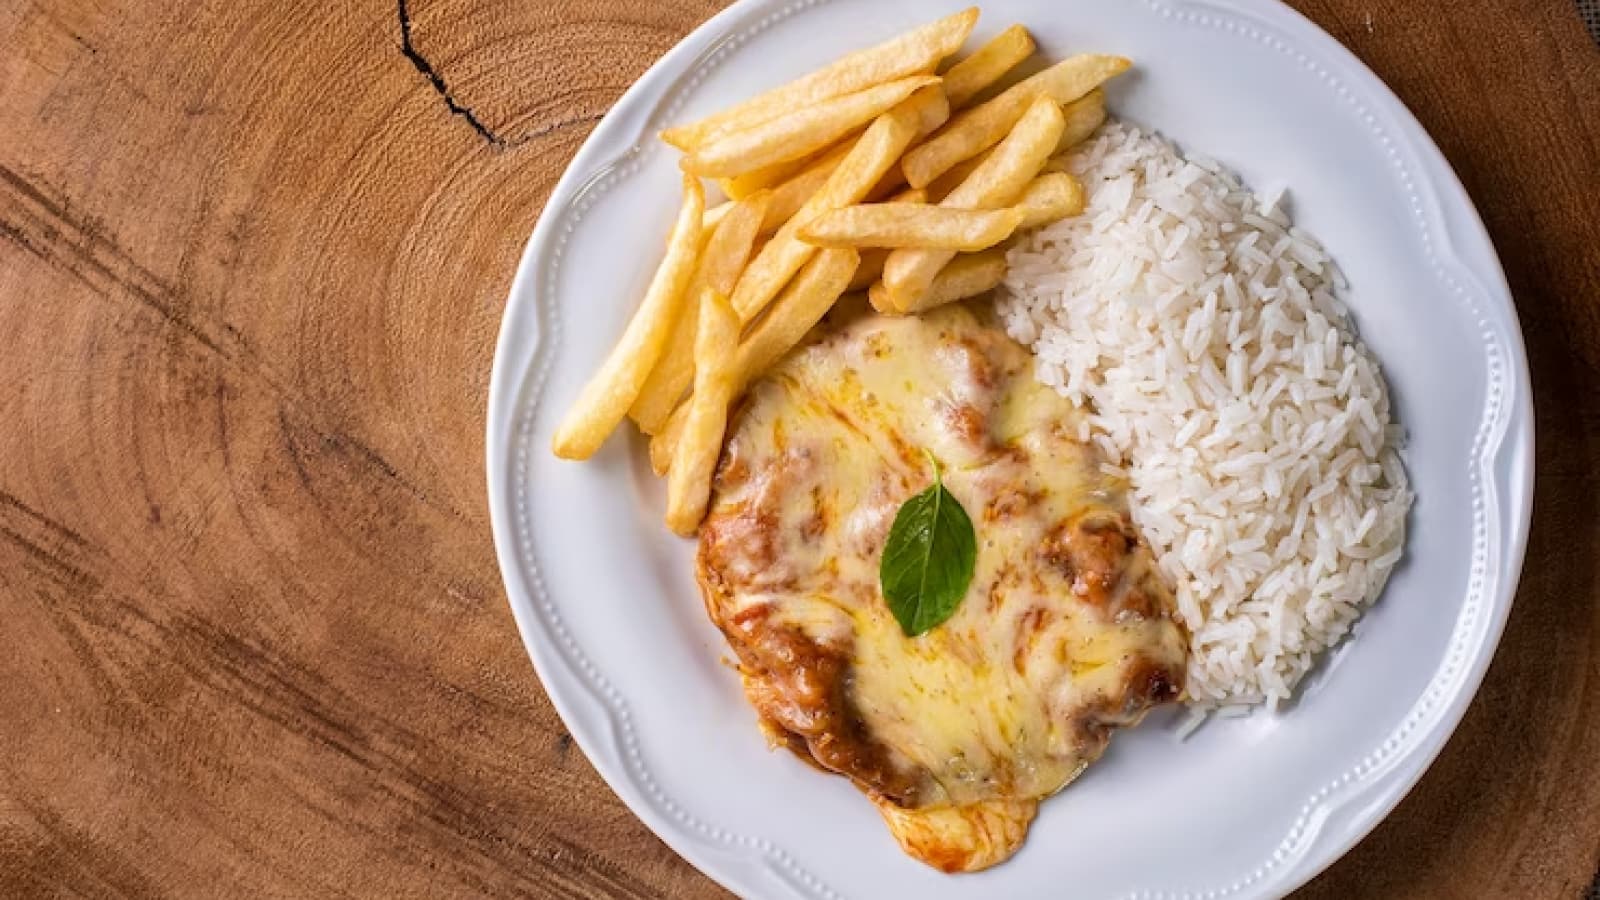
(606, 604)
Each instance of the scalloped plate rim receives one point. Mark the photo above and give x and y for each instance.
(519, 372)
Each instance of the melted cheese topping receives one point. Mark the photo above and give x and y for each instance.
(1064, 633)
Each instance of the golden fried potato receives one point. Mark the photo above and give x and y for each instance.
(940, 187)
(971, 132)
(741, 186)
(916, 52)
(1083, 116)
(801, 132)
(1049, 197)
(999, 182)
(872, 155)
(968, 275)
(933, 110)
(878, 297)
(987, 65)
(713, 216)
(665, 442)
(689, 483)
(606, 398)
(893, 225)
(801, 306)
(870, 269)
(721, 261)
(791, 195)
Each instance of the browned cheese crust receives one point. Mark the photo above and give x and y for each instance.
(1065, 634)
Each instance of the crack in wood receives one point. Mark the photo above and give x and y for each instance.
(457, 108)
(408, 48)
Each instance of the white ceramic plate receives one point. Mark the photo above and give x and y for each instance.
(605, 599)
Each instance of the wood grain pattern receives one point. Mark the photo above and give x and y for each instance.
(252, 262)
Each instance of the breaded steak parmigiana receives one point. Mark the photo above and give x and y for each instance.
(1066, 631)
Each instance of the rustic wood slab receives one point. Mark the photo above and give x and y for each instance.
(253, 257)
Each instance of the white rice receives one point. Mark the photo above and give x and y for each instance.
(1204, 334)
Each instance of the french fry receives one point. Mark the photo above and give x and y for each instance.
(672, 375)
(968, 275)
(1049, 197)
(665, 442)
(872, 155)
(941, 187)
(1083, 116)
(739, 187)
(917, 51)
(788, 196)
(910, 195)
(966, 136)
(803, 303)
(801, 306)
(869, 270)
(792, 194)
(1061, 162)
(933, 110)
(761, 242)
(695, 458)
(894, 225)
(969, 133)
(606, 398)
(987, 65)
(721, 261)
(801, 132)
(713, 216)
(728, 248)
(878, 297)
(999, 182)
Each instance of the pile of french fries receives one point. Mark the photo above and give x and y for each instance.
(873, 174)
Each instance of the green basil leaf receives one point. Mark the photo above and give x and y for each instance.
(928, 559)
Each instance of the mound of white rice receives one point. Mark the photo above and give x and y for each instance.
(1204, 334)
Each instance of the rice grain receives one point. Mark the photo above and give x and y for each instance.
(1204, 334)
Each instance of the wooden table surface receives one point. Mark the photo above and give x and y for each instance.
(253, 257)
